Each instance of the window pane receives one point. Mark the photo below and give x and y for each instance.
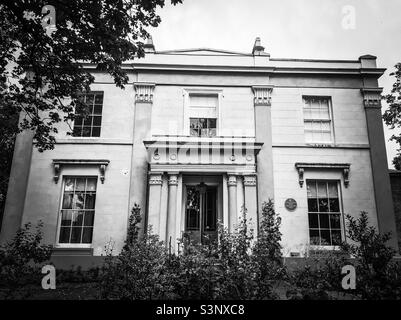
(212, 132)
(333, 191)
(91, 184)
(313, 220)
(212, 123)
(76, 233)
(336, 237)
(325, 237)
(311, 189)
(78, 120)
(67, 200)
(88, 121)
(312, 205)
(90, 201)
(99, 98)
(324, 221)
(89, 97)
(334, 205)
(66, 217)
(86, 131)
(98, 109)
(97, 120)
(324, 205)
(80, 184)
(69, 184)
(314, 237)
(322, 189)
(335, 221)
(65, 235)
(78, 201)
(87, 235)
(96, 132)
(78, 218)
(204, 132)
(89, 218)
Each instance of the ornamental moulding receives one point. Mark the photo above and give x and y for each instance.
(58, 164)
(262, 95)
(344, 167)
(144, 92)
(372, 97)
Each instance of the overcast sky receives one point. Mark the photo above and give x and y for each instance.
(289, 29)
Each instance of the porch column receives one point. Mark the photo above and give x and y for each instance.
(172, 209)
(155, 187)
(232, 200)
(251, 202)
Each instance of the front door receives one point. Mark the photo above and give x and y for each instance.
(201, 213)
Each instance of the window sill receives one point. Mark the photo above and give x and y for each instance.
(72, 250)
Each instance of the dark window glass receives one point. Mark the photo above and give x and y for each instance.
(202, 127)
(78, 210)
(324, 212)
(89, 124)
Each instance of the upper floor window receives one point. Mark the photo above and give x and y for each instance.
(202, 127)
(77, 210)
(317, 119)
(324, 212)
(90, 125)
(203, 114)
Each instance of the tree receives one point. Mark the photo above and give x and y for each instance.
(40, 74)
(392, 116)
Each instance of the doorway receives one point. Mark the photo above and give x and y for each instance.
(201, 212)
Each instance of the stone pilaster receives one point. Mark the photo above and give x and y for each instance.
(142, 124)
(263, 133)
(378, 157)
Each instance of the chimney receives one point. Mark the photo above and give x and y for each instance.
(149, 46)
(258, 49)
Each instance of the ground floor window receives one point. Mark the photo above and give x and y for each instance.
(324, 212)
(77, 210)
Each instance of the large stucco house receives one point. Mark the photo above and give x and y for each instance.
(199, 134)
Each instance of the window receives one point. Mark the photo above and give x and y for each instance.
(202, 127)
(78, 210)
(203, 114)
(317, 119)
(324, 212)
(90, 125)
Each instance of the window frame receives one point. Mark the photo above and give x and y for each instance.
(311, 120)
(92, 115)
(341, 213)
(187, 115)
(59, 244)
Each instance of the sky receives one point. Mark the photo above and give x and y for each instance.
(314, 29)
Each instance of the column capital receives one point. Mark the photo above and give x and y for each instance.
(262, 95)
(144, 92)
(155, 178)
(250, 180)
(232, 179)
(372, 97)
(172, 178)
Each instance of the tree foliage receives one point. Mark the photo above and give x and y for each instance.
(392, 116)
(42, 74)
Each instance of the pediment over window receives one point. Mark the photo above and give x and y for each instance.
(59, 163)
(302, 166)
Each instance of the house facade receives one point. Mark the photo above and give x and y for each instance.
(200, 134)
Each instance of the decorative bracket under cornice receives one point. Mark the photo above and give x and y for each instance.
(144, 92)
(372, 97)
(59, 163)
(262, 95)
(345, 167)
